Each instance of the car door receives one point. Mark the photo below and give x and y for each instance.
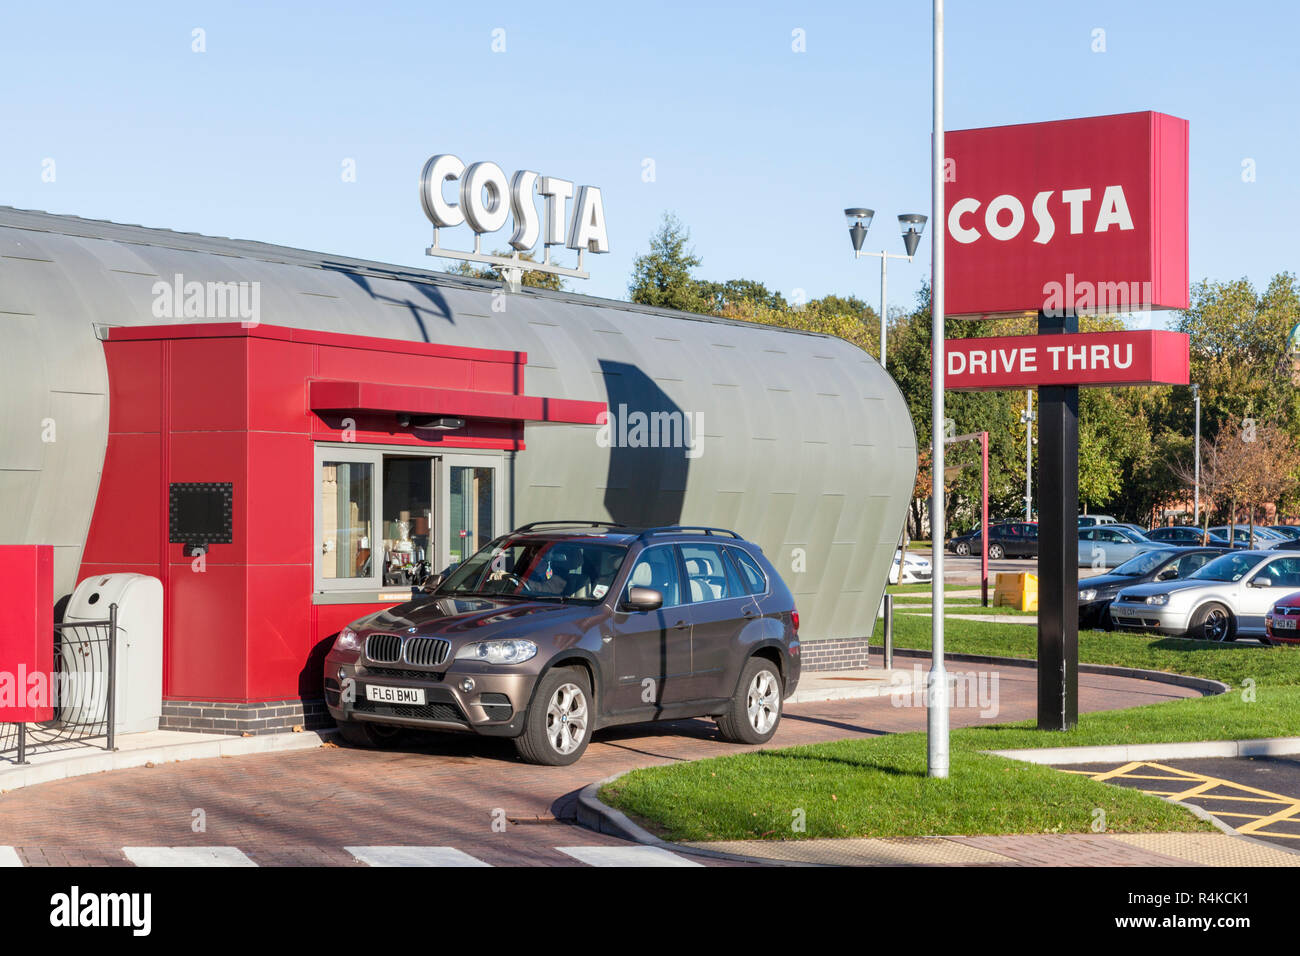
(652, 649)
(1029, 540)
(720, 607)
(1266, 587)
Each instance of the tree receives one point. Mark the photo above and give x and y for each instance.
(662, 277)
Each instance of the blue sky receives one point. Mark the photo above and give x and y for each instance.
(756, 147)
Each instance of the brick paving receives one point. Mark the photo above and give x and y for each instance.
(303, 807)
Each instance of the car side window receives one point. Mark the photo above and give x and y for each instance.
(708, 575)
(1192, 562)
(755, 579)
(1031, 531)
(1284, 572)
(657, 568)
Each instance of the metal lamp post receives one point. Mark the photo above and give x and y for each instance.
(912, 225)
(1027, 417)
(936, 704)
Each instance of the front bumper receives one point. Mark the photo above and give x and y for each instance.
(496, 705)
(1093, 613)
(1161, 619)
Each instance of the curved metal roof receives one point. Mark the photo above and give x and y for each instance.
(808, 447)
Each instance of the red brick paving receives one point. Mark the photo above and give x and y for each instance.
(303, 807)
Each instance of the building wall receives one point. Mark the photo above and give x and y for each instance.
(808, 448)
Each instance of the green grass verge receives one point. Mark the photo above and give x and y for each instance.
(876, 787)
(1230, 663)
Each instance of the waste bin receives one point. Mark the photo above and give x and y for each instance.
(84, 653)
(1017, 590)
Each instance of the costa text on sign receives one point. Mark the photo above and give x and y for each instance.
(1148, 357)
(1082, 215)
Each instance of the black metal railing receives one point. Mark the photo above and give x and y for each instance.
(82, 690)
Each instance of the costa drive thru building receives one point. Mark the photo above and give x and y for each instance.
(364, 417)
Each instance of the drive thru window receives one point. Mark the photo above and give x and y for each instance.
(384, 518)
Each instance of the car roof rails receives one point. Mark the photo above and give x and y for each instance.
(688, 529)
(536, 525)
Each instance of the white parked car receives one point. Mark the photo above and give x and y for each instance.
(1222, 601)
(915, 570)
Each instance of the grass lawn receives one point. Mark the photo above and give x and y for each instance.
(877, 786)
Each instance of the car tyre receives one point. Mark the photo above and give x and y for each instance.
(558, 726)
(363, 733)
(754, 712)
(962, 548)
(1214, 622)
(995, 552)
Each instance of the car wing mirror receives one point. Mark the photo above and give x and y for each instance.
(1261, 583)
(434, 581)
(642, 599)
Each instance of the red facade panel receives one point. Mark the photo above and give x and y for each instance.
(26, 633)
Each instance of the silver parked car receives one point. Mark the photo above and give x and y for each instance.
(1227, 599)
(1107, 546)
(1264, 537)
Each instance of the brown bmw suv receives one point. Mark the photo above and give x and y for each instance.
(558, 629)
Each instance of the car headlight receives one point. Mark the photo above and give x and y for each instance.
(348, 640)
(1157, 598)
(1089, 595)
(498, 652)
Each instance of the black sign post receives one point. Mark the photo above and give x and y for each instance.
(1058, 544)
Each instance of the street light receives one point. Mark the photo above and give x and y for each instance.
(912, 225)
(1027, 417)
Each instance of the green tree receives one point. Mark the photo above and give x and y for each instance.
(663, 276)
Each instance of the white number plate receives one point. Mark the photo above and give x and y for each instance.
(395, 695)
(1284, 624)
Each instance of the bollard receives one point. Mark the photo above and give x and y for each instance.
(889, 632)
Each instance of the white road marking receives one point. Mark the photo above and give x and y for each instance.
(186, 856)
(626, 856)
(9, 857)
(413, 856)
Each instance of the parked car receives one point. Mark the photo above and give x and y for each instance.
(554, 631)
(1264, 538)
(1137, 529)
(1289, 531)
(1108, 546)
(1280, 625)
(1228, 598)
(1090, 521)
(1167, 564)
(1186, 535)
(915, 570)
(1008, 539)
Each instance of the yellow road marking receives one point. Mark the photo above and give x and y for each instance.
(1203, 783)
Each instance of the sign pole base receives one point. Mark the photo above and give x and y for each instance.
(1058, 544)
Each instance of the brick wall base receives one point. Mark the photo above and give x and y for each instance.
(840, 654)
(225, 717)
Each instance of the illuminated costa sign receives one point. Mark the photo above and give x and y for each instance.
(1039, 210)
(485, 200)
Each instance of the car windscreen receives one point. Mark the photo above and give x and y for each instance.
(1230, 567)
(580, 570)
(1143, 564)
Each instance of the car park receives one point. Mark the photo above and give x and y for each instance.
(1108, 546)
(1168, 564)
(1007, 539)
(558, 629)
(1289, 531)
(1228, 598)
(1187, 536)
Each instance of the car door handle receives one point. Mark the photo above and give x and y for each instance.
(748, 612)
(679, 626)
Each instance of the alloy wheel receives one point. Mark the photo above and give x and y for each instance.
(566, 718)
(763, 701)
